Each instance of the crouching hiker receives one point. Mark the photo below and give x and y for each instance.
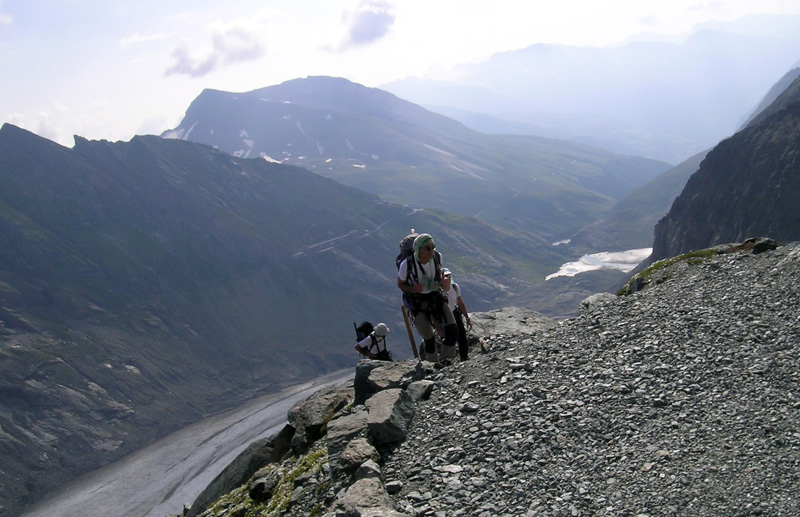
(419, 276)
(372, 342)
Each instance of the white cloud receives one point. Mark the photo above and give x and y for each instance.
(230, 44)
(371, 21)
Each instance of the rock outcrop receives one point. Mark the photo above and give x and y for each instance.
(678, 399)
(747, 186)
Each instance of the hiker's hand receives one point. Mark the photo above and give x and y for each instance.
(469, 323)
(417, 288)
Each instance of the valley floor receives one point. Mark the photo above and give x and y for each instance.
(161, 478)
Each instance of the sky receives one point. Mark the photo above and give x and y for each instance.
(112, 69)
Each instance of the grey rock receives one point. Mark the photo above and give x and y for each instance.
(595, 300)
(420, 390)
(367, 493)
(389, 414)
(310, 416)
(357, 451)
(509, 320)
(374, 376)
(340, 432)
(394, 487)
(368, 469)
(262, 487)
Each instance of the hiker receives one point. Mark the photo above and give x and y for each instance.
(373, 339)
(453, 293)
(419, 276)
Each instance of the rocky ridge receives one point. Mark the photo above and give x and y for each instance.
(679, 399)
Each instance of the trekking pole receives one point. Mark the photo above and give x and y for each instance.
(410, 333)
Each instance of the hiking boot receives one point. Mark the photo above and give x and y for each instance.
(431, 357)
(448, 352)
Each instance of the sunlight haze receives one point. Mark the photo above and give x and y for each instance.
(113, 69)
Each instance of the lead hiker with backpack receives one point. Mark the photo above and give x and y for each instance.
(419, 274)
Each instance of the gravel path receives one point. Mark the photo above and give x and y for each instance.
(681, 399)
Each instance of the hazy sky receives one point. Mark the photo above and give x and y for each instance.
(110, 69)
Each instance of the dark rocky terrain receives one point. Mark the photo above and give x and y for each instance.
(747, 185)
(679, 399)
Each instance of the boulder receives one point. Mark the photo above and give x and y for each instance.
(595, 300)
(420, 390)
(357, 452)
(389, 413)
(367, 495)
(509, 320)
(310, 416)
(340, 432)
(374, 376)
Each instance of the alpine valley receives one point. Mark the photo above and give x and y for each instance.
(146, 284)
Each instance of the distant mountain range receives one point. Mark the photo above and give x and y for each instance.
(370, 139)
(663, 100)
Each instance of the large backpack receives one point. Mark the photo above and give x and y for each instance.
(406, 248)
(363, 330)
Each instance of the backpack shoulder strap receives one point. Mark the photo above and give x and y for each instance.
(411, 270)
(376, 342)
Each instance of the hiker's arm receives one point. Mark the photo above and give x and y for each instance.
(365, 352)
(463, 309)
(408, 288)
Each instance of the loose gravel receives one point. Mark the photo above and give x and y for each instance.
(680, 399)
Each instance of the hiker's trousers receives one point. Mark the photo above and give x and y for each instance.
(426, 329)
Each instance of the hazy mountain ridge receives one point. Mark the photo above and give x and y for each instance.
(666, 101)
(785, 92)
(631, 223)
(747, 186)
(370, 139)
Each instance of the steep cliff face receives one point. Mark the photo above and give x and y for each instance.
(747, 186)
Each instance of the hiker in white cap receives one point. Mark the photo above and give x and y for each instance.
(374, 345)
